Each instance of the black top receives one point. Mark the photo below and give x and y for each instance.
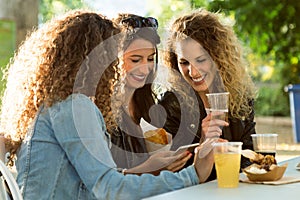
(128, 145)
(185, 125)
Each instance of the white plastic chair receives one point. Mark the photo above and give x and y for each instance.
(9, 187)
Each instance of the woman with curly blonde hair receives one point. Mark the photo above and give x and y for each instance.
(209, 57)
(58, 80)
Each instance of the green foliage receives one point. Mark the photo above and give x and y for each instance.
(271, 28)
(8, 43)
(50, 8)
(198, 3)
(272, 101)
(166, 10)
(47, 9)
(8, 40)
(271, 31)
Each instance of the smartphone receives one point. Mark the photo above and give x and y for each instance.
(189, 147)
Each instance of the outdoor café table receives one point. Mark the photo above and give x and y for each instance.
(244, 191)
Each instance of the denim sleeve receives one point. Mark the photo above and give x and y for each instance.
(80, 130)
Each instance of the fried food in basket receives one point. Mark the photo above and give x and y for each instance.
(158, 136)
(265, 162)
(265, 168)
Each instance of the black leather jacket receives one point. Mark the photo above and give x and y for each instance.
(185, 126)
(128, 146)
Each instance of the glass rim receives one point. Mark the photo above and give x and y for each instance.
(226, 143)
(218, 93)
(264, 134)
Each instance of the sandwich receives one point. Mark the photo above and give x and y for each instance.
(158, 136)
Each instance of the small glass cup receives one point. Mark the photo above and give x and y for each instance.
(218, 105)
(265, 143)
(227, 156)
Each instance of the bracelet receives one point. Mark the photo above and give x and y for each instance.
(121, 170)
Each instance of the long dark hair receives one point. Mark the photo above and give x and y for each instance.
(137, 27)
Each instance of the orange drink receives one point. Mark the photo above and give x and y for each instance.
(227, 167)
(227, 156)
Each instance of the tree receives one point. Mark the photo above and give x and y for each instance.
(50, 8)
(20, 17)
(18, 11)
(15, 22)
(272, 31)
(164, 11)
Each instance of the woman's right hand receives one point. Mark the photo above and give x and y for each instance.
(163, 160)
(211, 128)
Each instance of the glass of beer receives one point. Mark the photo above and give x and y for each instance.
(227, 156)
(218, 105)
(265, 143)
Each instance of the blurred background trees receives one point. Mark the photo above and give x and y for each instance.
(17, 17)
(50, 8)
(269, 30)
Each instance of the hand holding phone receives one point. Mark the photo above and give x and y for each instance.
(189, 147)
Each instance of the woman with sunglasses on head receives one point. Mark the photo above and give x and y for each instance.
(134, 98)
(60, 77)
(207, 54)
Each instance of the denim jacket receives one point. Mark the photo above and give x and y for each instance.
(66, 155)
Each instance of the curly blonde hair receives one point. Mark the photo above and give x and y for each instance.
(64, 56)
(221, 43)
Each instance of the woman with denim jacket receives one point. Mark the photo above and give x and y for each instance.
(57, 83)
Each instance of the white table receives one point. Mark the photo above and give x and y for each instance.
(245, 191)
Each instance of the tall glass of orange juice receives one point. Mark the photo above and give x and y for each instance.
(227, 157)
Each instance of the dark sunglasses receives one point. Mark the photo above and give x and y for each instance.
(139, 22)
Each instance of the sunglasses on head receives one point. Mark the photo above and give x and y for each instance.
(139, 22)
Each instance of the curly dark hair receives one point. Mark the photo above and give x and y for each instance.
(66, 55)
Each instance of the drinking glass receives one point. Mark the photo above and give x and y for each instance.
(265, 143)
(218, 105)
(227, 156)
